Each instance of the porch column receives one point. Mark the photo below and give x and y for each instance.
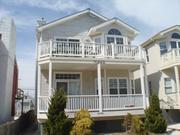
(142, 84)
(38, 86)
(105, 86)
(146, 87)
(50, 79)
(176, 70)
(129, 75)
(99, 86)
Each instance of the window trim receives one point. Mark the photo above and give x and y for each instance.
(117, 78)
(61, 80)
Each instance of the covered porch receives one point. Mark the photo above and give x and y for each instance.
(97, 86)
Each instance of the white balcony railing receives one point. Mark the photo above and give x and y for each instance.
(93, 50)
(91, 102)
(171, 57)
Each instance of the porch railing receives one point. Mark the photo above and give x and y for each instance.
(171, 57)
(91, 102)
(93, 50)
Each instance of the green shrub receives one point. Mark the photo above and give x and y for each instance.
(57, 122)
(82, 123)
(137, 127)
(27, 120)
(128, 121)
(154, 121)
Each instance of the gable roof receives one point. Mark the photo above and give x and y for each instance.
(66, 18)
(159, 35)
(114, 20)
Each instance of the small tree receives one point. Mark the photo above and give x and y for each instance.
(57, 122)
(82, 123)
(154, 121)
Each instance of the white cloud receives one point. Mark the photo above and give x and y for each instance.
(155, 13)
(21, 21)
(56, 5)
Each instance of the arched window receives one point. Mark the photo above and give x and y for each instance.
(175, 35)
(114, 32)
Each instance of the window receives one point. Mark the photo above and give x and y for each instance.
(173, 44)
(150, 87)
(163, 47)
(97, 40)
(167, 85)
(114, 32)
(0, 36)
(67, 76)
(118, 86)
(110, 40)
(70, 83)
(175, 36)
(119, 40)
(147, 55)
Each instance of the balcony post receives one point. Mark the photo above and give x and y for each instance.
(174, 55)
(50, 79)
(50, 48)
(99, 86)
(142, 80)
(83, 51)
(38, 86)
(176, 70)
(113, 50)
(140, 52)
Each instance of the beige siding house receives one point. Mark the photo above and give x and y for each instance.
(91, 58)
(162, 56)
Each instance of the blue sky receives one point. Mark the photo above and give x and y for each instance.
(148, 16)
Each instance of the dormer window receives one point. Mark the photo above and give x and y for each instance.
(114, 32)
(114, 36)
(175, 36)
(175, 40)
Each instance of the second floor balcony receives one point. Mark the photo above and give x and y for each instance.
(88, 50)
(170, 58)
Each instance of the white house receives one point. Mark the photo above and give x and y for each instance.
(163, 62)
(92, 59)
(7, 68)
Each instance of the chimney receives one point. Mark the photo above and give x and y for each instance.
(41, 22)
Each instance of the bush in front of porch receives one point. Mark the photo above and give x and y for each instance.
(154, 121)
(82, 123)
(134, 125)
(57, 122)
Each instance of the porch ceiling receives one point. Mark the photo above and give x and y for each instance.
(68, 66)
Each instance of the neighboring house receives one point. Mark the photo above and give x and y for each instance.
(28, 104)
(91, 58)
(8, 69)
(163, 63)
